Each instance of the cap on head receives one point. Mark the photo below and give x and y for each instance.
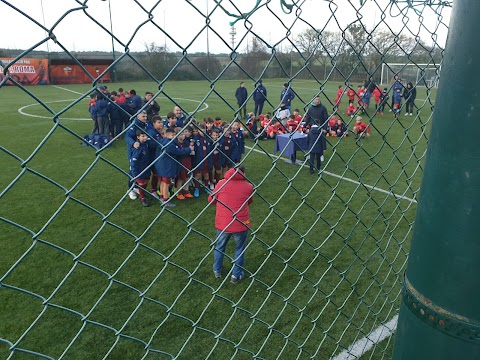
(102, 88)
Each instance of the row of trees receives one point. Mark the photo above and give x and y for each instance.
(354, 54)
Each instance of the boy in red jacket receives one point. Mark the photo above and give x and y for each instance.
(338, 99)
(231, 196)
(361, 128)
(351, 109)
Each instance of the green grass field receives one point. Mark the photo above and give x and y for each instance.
(86, 272)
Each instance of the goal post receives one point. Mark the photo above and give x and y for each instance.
(426, 75)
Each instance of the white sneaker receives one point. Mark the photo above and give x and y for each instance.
(390, 110)
(322, 158)
(411, 114)
(132, 195)
(212, 187)
(136, 191)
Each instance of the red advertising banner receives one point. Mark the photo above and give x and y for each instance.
(74, 74)
(26, 71)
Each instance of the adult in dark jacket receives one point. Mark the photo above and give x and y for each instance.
(316, 145)
(152, 108)
(409, 94)
(102, 115)
(259, 96)
(134, 102)
(115, 114)
(181, 118)
(241, 95)
(140, 123)
(317, 114)
(286, 96)
(232, 195)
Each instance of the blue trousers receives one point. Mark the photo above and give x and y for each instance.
(219, 252)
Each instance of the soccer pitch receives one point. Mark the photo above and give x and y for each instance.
(85, 272)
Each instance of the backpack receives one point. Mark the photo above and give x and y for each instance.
(98, 141)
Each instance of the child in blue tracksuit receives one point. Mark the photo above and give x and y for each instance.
(167, 164)
(397, 101)
(115, 113)
(227, 147)
(139, 164)
(92, 109)
(102, 115)
(154, 134)
(202, 162)
(239, 139)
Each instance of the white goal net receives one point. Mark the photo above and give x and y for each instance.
(418, 74)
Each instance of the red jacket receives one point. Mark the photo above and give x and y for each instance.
(351, 95)
(232, 195)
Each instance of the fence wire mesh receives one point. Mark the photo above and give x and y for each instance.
(87, 273)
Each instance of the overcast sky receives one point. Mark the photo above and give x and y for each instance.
(184, 20)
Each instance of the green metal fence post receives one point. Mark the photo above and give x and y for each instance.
(440, 312)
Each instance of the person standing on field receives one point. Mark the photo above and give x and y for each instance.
(231, 196)
(259, 96)
(286, 96)
(409, 94)
(241, 95)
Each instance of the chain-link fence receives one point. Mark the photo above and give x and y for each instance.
(86, 272)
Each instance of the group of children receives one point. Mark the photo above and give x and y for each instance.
(183, 160)
(175, 160)
(111, 111)
(363, 96)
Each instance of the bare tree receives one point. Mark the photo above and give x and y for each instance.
(254, 60)
(158, 60)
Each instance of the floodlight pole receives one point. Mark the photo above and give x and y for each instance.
(208, 45)
(112, 72)
(440, 312)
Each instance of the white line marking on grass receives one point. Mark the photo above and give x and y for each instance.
(22, 112)
(365, 344)
(62, 88)
(390, 193)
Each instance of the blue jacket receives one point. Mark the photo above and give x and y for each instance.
(366, 97)
(203, 148)
(260, 94)
(93, 111)
(316, 114)
(397, 97)
(238, 146)
(241, 95)
(316, 140)
(168, 154)
(384, 98)
(397, 85)
(287, 96)
(102, 107)
(115, 112)
(154, 138)
(139, 161)
(181, 121)
(131, 136)
(137, 103)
